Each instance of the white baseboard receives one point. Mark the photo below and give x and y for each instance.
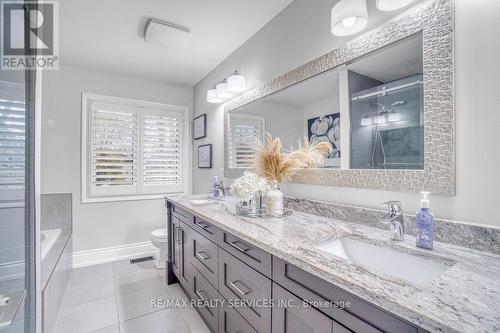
(109, 254)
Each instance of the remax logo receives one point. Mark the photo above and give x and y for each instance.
(29, 35)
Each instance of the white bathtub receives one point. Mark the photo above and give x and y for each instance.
(47, 240)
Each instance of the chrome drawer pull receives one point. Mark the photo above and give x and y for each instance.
(201, 224)
(239, 248)
(242, 292)
(200, 295)
(202, 255)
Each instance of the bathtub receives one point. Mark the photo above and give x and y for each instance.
(47, 240)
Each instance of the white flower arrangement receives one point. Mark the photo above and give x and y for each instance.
(245, 187)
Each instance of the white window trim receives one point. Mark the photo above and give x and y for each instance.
(87, 99)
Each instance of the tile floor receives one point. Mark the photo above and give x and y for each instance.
(116, 297)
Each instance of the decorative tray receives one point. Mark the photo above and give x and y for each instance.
(262, 214)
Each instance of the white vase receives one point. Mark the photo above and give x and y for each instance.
(274, 201)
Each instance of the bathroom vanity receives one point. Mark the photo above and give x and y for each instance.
(287, 275)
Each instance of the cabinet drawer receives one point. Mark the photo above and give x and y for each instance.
(182, 214)
(207, 300)
(230, 321)
(248, 289)
(203, 254)
(291, 315)
(206, 229)
(359, 317)
(249, 254)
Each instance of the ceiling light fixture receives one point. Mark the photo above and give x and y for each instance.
(390, 5)
(167, 34)
(349, 17)
(227, 88)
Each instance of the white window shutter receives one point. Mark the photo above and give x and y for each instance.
(114, 153)
(12, 148)
(161, 150)
(243, 131)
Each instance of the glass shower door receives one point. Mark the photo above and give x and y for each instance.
(17, 264)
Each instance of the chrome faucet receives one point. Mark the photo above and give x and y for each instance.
(395, 219)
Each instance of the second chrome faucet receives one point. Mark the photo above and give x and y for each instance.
(395, 220)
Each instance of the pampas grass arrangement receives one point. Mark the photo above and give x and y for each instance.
(274, 165)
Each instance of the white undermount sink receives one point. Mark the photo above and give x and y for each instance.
(417, 270)
(201, 199)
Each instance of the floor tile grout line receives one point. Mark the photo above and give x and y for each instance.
(116, 298)
(185, 320)
(144, 315)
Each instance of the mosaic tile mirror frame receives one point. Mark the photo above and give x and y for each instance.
(434, 20)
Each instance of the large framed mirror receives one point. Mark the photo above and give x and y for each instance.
(384, 101)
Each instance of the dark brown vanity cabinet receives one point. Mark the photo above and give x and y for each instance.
(204, 256)
(175, 247)
(292, 315)
(180, 251)
(207, 299)
(248, 289)
(241, 288)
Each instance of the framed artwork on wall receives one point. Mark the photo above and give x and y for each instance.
(326, 128)
(205, 156)
(200, 127)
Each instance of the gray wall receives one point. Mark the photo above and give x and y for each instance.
(301, 33)
(96, 225)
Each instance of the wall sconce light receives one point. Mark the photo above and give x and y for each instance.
(390, 5)
(349, 17)
(212, 96)
(225, 89)
(222, 91)
(392, 117)
(379, 119)
(236, 83)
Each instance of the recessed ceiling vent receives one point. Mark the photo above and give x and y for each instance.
(167, 34)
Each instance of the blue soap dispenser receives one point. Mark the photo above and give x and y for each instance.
(425, 224)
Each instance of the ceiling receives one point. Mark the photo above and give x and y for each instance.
(109, 35)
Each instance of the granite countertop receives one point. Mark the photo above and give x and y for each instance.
(465, 298)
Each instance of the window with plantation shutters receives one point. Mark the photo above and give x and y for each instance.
(161, 150)
(131, 149)
(243, 131)
(114, 149)
(12, 141)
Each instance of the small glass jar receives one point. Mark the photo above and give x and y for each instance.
(246, 207)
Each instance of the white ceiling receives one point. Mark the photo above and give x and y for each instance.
(108, 35)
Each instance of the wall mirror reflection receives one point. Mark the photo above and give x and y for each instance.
(370, 110)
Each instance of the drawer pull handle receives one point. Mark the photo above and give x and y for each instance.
(202, 255)
(179, 235)
(201, 224)
(199, 293)
(237, 247)
(239, 289)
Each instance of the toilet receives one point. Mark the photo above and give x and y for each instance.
(159, 240)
